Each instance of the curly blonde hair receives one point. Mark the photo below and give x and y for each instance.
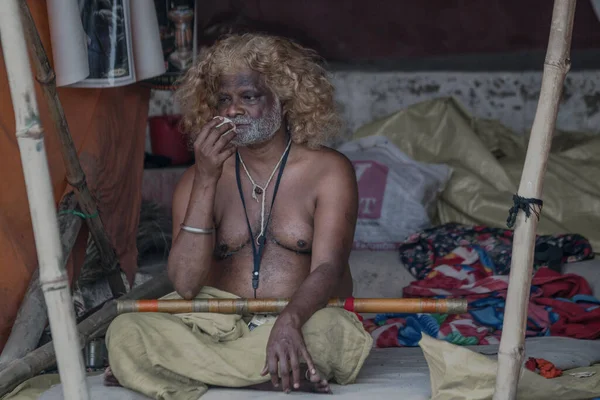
(290, 71)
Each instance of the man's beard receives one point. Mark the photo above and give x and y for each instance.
(258, 130)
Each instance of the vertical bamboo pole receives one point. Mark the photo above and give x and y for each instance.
(33, 314)
(30, 137)
(75, 175)
(556, 67)
(18, 371)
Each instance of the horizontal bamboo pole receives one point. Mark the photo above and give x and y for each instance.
(274, 306)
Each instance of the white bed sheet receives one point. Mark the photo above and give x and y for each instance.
(392, 372)
(396, 372)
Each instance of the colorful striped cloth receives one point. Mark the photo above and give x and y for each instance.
(560, 305)
(420, 252)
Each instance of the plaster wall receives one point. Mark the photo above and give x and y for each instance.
(510, 97)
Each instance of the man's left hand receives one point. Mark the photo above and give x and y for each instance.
(284, 349)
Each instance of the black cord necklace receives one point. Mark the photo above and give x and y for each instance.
(257, 251)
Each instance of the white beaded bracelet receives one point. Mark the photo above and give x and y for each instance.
(197, 230)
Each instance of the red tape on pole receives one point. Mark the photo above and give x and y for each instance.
(349, 304)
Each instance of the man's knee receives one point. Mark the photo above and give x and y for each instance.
(331, 315)
(143, 321)
(125, 327)
(124, 322)
(132, 326)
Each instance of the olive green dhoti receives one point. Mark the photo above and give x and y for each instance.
(177, 356)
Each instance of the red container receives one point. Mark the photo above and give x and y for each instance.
(167, 139)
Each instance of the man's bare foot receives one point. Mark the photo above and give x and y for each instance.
(109, 378)
(316, 382)
(313, 383)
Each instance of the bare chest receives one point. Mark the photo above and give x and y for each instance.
(286, 221)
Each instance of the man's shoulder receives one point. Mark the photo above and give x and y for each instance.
(327, 160)
(328, 165)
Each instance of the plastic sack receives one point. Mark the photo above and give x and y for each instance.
(457, 372)
(397, 195)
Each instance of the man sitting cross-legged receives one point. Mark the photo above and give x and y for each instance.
(267, 211)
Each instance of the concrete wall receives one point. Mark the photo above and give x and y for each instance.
(510, 97)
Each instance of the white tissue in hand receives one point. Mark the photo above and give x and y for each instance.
(225, 120)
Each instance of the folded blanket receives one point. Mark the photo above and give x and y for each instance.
(169, 356)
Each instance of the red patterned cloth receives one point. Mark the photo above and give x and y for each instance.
(560, 305)
(422, 251)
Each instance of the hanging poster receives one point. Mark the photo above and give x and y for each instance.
(104, 43)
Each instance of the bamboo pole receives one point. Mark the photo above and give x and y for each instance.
(75, 175)
(33, 314)
(274, 306)
(30, 138)
(556, 67)
(44, 357)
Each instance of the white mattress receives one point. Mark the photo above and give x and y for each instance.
(394, 371)
(387, 372)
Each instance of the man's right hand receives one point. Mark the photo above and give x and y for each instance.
(213, 147)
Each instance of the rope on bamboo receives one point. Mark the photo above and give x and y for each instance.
(528, 206)
(274, 306)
